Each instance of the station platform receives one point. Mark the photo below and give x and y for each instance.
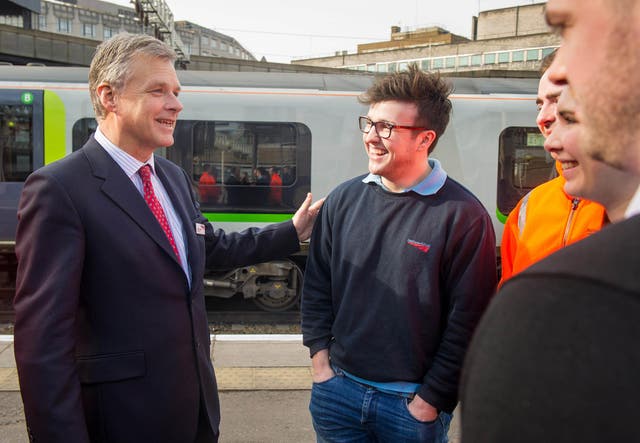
(242, 362)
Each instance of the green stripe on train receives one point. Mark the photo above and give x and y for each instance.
(246, 218)
(501, 216)
(54, 128)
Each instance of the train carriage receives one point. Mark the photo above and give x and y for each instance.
(256, 143)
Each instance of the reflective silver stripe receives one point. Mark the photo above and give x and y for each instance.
(522, 213)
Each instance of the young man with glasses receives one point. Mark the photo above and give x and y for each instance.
(401, 267)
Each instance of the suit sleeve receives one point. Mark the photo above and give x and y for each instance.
(50, 249)
(469, 276)
(251, 246)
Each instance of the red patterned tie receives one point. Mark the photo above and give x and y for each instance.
(154, 205)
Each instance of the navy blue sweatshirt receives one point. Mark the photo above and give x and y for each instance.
(396, 283)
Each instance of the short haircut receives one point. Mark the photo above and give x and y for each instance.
(428, 91)
(546, 61)
(112, 62)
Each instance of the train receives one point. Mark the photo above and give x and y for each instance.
(255, 143)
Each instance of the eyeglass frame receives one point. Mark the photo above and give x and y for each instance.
(390, 126)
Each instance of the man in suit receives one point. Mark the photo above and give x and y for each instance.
(111, 334)
(556, 357)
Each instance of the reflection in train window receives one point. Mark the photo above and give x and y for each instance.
(523, 164)
(16, 143)
(81, 131)
(245, 166)
(250, 167)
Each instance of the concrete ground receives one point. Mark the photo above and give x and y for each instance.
(264, 386)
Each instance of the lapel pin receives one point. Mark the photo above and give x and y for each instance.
(199, 229)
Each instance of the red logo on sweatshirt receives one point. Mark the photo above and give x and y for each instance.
(419, 245)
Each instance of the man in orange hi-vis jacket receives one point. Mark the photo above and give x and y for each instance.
(547, 218)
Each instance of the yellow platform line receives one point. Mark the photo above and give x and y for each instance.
(229, 379)
(281, 378)
(9, 379)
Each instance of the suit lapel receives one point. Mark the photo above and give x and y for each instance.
(119, 188)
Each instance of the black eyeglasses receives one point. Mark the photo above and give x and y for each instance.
(383, 129)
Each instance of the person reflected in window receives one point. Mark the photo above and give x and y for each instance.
(207, 185)
(275, 187)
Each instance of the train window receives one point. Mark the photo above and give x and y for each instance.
(523, 164)
(245, 167)
(81, 131)
(20, 134)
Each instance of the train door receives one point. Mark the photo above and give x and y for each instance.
(21, 150)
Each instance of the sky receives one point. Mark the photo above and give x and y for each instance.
(283, 30)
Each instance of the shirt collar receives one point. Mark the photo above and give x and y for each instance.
(126, 161)
(431, 184)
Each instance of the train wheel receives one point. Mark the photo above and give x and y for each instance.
(281, 294)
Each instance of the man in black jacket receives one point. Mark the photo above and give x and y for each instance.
(556, 357)
(401, 266)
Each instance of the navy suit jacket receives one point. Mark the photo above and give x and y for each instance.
(111, 344)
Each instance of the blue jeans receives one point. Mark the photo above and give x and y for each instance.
(343, 410)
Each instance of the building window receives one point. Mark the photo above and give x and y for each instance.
(109, 32)
(517, 56)
(223, 46)
(88, 30)
(402, 66)
(425, 64)
(547, 51)
(489, 59)
(392, 67)
(438, 63)
(503, 57)
(450, 62)
(64, 25)
(42, 22)
(11, 20)
(382, 67)
(463, 61)
(532, 54)
(476, 60)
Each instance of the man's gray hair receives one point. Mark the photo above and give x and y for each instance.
(113, 59)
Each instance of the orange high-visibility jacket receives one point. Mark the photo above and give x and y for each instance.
(545, 220)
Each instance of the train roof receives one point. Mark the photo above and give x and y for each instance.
(359, 81)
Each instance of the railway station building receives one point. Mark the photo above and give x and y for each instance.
(504, 42)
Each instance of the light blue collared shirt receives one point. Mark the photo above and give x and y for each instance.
(130, 166)
(431, 184)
